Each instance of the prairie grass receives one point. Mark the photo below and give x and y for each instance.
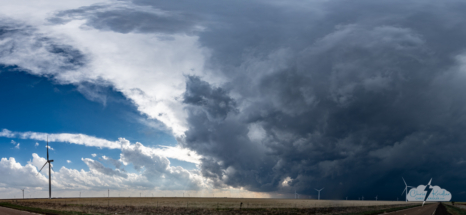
(209, 206)
(457, 209)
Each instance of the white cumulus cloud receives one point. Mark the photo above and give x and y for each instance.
(175, 152)
(154, 172)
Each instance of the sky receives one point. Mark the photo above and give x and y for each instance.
(232, 98)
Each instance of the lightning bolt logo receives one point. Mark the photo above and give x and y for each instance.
(429, 190)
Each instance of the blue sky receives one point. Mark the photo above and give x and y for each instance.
(37, 104)
(258, 98)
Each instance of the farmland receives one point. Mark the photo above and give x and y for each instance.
(205, 205)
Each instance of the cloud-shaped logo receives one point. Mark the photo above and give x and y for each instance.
(437, 194)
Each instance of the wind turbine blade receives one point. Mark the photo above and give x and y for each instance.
(404, 190)
(322, 188)
(404, 181)
(42, 167)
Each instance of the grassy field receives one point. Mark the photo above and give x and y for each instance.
(458, 209)
(179, 205)
(214, 203)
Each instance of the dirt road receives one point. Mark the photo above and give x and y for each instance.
(428, 209)
(9, 211)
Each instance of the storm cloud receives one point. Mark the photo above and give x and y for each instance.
(359, 97)
(124, 19)
(350, 96)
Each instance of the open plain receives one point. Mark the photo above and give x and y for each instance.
(214, 203)
(177, 205)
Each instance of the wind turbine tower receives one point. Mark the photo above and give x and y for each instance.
(23, 192)
(319, 192)
(406, 189)
(50, 167)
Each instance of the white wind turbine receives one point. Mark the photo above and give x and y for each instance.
(319, 192)
(406, 189)
(50, 167)
(23, 192)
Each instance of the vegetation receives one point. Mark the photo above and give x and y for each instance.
(39, 210)
(202, 206)
(456, 210)
(388, 210)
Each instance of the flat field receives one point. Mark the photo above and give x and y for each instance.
(212, 203)
(226, 206)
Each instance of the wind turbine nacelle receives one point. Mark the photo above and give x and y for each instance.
(50, 160)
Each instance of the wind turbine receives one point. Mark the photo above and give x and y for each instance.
(319, 192)
(376, 198)
(406, 189)
(23, 192)
(50, 166)
(295, 194)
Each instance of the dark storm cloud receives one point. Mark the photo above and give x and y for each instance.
(349, 96)
(125, 19)
(216, 103)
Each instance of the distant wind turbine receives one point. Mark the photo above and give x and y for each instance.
(319, 192)
(50, 167)
(406, 189)
(376, 198)
(23, 192)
